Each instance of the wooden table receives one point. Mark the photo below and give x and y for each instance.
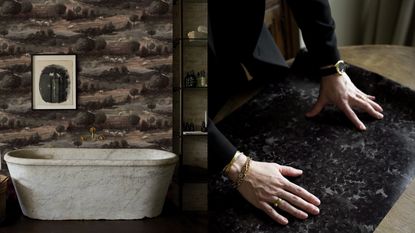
(393, 62)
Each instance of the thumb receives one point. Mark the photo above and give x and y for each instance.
(290, 171)
(316, 109)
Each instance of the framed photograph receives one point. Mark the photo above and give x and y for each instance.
(53, 82)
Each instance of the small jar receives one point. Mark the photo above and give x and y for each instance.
(190, 80)
(202, 80)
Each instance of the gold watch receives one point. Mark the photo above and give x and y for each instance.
(338, 68)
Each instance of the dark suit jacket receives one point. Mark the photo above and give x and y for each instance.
(237, 36)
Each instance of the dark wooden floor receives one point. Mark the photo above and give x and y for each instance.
(170, 221)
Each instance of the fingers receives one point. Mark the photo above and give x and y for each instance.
(290, 171)
(271, 212)
(366, 98)
(316, 109)
(371, 97)
(352, 116)
(299, 202)
(375, 105)
(287, 207)
(367, 107)
(301, 192)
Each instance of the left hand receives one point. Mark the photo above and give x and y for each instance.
(265, 183)
(339, 90)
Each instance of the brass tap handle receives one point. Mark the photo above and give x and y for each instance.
(92, 130)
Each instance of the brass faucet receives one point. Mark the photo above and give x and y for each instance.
(94, 136)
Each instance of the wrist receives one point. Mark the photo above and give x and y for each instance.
(331, 76)
(236, 167)
(328, 70)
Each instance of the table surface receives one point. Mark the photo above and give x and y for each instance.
(397, 63)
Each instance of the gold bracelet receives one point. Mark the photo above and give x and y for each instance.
(242, 174)
(228, 167)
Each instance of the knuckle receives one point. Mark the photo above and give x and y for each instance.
(367, 105)
(267, 209)
(298, 189)
(282, 184)
(309, 207)
(275, 166)
(298, 212)
(278, 192)
(261, 197)
(342, 105)
(295, 199)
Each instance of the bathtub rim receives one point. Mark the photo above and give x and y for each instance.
(172, 159)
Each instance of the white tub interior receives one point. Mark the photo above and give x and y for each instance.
(87, 156)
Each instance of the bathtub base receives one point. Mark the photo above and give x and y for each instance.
(130, 193)
(80, 191)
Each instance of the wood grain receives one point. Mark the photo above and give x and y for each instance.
(393, 62)
(400, 218)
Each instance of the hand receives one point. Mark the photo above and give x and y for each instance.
(265, 183)
(339, 90)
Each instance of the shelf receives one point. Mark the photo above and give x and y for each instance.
(195, 42)
(191, 54)
(189, 1)
(195, 88)
(176, 89)
(194, 1)
(194, 39)
(177, 40)
(194, 133)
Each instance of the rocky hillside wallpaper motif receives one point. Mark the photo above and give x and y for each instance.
(124, 52)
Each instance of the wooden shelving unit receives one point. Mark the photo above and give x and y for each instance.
(190, 105)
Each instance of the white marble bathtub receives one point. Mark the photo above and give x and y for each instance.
(71, 183)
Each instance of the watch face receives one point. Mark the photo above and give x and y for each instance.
(341, 67)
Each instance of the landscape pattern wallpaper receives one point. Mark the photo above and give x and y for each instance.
(124, 73)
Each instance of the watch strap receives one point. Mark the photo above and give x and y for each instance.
(338, 68)
(327, 71)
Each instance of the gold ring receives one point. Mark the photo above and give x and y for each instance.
(277, 202)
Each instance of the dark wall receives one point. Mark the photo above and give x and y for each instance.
(124, 53)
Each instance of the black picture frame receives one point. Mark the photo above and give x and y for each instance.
(61, 90)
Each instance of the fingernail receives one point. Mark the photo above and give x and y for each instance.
(380, 116)
(318, 202)
(363, 127)
(305, 215)
(316, 210)
(285, 221)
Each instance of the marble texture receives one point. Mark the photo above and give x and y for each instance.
(69, 183)
(357, 175)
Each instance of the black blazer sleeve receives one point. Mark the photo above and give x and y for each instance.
(234, 27)
(234, 32)
(317, 26)
(221, 150)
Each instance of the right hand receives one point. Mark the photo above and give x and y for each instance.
(340, 91)
(265, 183)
